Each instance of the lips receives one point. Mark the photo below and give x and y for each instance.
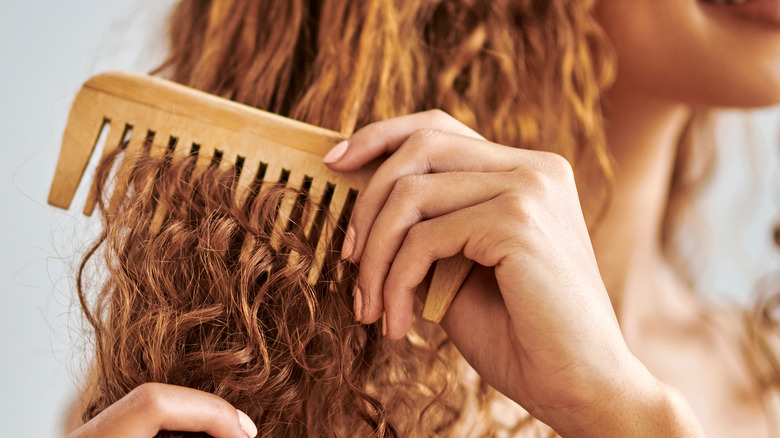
(763, 12)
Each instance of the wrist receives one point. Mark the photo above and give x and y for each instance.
(636, 405)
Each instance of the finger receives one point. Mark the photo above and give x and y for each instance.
(376, 139)
(472, 230)
(413, 199)
(424, 152)
(153, 407)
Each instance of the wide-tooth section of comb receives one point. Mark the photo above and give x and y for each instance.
(85, 123)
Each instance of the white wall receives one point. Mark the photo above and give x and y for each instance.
(742, 203)
(47, 49)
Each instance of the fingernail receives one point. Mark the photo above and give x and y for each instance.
(247, 425)
(384, 324)
(358, 303)
(336, 153)
(349, 243)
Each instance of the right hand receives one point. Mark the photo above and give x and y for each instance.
(534, 319)
(153, 407)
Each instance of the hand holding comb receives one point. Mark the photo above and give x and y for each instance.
(144, 114)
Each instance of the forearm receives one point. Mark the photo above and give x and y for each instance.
(647, 409)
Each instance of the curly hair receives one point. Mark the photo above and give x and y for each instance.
(524, 73)
(195, 305)
(210, 303)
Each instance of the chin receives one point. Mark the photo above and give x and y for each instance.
(749, 90)
(698, 52)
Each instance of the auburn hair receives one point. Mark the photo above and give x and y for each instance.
(193, 305)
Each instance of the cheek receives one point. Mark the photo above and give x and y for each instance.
(681, 51)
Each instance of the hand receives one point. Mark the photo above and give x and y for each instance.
(535, 319)
(153, 407)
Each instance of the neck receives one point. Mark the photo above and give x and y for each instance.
(643, 135)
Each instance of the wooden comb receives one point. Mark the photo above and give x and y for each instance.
(140, 111)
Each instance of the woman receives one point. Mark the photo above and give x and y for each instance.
(575, 313)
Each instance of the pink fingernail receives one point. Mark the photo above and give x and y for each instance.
(349, 243)
(336, 153)
(358, 303)
(247, 425)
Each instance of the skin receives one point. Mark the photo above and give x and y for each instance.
(593, 334)
(699, 56)
(153, 407)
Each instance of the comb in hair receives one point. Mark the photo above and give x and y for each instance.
(148, 115)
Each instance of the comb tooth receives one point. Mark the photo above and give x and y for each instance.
(340, 195)
(273, 173)
(181, 151)
(304, 212)
(183, 148)
(246, 249)
(227, 161)
(116, 132)
(246, 180)
(293, 257)
(205, 155)
(333, 235)
(160, 211)
(161, 146)
(316, 192)
(133, 149)
(284, 214)
(315, 233)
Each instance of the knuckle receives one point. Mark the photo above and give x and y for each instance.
(416, 145)
(438, 115)
(538, 180)
(408, 185)
(417, 234)
(361, 212)
(421, 137)
(519, 206)
(558, 166)
(366, 133)
(148, 397)
(221, 408)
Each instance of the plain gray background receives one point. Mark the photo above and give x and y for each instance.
(48, 48)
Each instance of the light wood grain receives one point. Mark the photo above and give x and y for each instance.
(120, 99)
